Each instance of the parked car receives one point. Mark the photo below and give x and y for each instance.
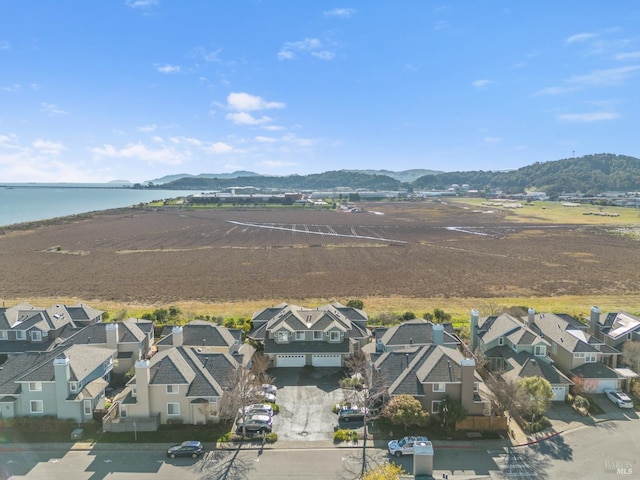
(619, 398)
(266, 396)
(404, 446)
(346, 414)
(272, 389)
(254, 424)
(185, 449)
(259, 408)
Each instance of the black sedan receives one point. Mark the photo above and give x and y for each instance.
(186, 449)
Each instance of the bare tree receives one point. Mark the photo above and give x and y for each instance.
(260, 364)
(369, 388)
(244, 392)
(503, 394)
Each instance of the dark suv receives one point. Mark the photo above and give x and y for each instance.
(351, 413)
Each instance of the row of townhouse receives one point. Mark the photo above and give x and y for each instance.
(196, 363)
(557, 347)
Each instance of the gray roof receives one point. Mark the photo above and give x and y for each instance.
(524, 364)
(38, 366)
(200, 333)
(507, 326)
(129, 331)
(207, 374)
(408, 370)
(594, 370)
(414, 332)
(562, 330)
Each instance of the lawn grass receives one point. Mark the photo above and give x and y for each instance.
(557, 212)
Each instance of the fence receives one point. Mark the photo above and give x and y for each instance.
(485, 423)
(112, 422)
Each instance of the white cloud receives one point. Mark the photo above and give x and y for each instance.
(245, 102)
(4, 45)
(263, 139)
(627, 55)
(312, 46)
(47, 147)
(612, 76)
(244, 118)
(162, 155)
(168, 69)
(186, 141)
(16, 87)
(147, 128)
(208, 56)
(273, 128)
(340, 12)
(218, 148)
(556, 90)
(492, 140)
(278, 163)
(581, 37)
(51, 109)
(481, 83)
(141, 3)
(588, 117)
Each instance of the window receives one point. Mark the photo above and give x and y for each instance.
(334, 336)
(88, 409)
(73, 386)
(578, 355)
(36, 335)
(439, 387)
(590, 357)
(540, 350)
(435, 406)
(476, 387)
(36, 406)
(35, 386)
(317, 335)
(283, 336)
(300, 336)
(3, 335)
(123, 410)
(501, 341)
(21, 335)
(172, 389)
(134, 390)
(554, 348)
(173, 408)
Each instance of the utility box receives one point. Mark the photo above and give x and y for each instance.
(77, 434)
(422, 458)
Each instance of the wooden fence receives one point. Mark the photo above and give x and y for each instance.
(483, 423)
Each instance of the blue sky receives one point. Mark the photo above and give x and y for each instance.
(138, 89)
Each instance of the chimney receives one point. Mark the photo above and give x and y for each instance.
(531, 317)
(468, 369)
(61, 374)
(112, 335)
(143, 377)
(474, 330)
(437, 334)
(594, 320)
(177, 335)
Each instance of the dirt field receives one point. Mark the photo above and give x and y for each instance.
(411, 250)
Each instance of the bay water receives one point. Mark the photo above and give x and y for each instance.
(21, 203)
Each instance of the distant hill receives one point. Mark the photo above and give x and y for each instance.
(178, 176)
(406, 176)
(590, 175)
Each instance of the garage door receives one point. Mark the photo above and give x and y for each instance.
(290, 361)
(603, 384)
(326, 360)
(559, 394)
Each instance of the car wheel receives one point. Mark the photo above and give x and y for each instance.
(397, 454)
(194, 455)
(173, 455)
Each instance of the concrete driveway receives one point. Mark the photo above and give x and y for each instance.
(306, 396)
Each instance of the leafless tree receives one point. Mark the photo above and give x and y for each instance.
(243, 392)
(260, 364)
(503, 394)
(369, 386)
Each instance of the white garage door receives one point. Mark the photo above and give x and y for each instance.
(326, 361)
(290, 361)
(559, 394)
(604, 384)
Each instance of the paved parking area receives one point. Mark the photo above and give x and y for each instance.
(305, 397)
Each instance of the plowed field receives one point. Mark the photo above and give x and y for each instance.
(421, 250)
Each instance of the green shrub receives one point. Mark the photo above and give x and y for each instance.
(271, 438)
(344, 435)
(226, 437)
(581, 402)
(537, 426)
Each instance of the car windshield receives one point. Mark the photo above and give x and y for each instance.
(402, 442)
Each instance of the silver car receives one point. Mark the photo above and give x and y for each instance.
(619, 398)
(404, 446)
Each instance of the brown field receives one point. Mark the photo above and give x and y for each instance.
(408, 255)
